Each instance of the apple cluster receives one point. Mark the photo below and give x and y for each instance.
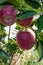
(25, 38)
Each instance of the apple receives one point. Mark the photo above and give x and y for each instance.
(25, 22)
(8, 15)
(25, 39)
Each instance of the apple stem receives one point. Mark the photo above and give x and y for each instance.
(25, 28)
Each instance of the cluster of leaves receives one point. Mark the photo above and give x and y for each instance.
(27, 8)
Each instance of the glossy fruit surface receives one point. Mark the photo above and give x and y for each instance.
(25, 39)
(25, 22)
(8, 15)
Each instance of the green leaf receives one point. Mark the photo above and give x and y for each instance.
(11, 46)
(33, 3)
(14, 2)
(40, 36)
(19, 4)
(40, 23)
(1, 1)
(41, 48)
(18, 27)
(26, 14)
(37, 45)
(3, 55)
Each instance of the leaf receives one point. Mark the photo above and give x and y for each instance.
(41, 57)
(11, 46)
(18, 27)
(37, 45)
(40, 23)
(1, 1)
(26, 14)
(39, 48)
(40, 36)
(3, 55)
(20, 5)
(39, 1)
(33, 3)
(14, 2)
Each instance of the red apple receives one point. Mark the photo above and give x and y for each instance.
(25, 22)
(26, 39)
(8, 15)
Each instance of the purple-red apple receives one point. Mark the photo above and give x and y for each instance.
(8, 15)
(25, 39)
(25, 22)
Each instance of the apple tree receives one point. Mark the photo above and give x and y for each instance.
(28, 17)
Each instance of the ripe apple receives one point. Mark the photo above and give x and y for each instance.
(25, 39)
(8, 15)
(25, 22)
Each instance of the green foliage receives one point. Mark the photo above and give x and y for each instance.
(1, 1)
(40, 23)
(26, 8)
(11, 46)
(18, 27)
(26, 14)
(40, 36)
(3, 54)
(31, 2)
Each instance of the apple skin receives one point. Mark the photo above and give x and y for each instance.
(25, 39)
(8, 15)
(25, 22)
